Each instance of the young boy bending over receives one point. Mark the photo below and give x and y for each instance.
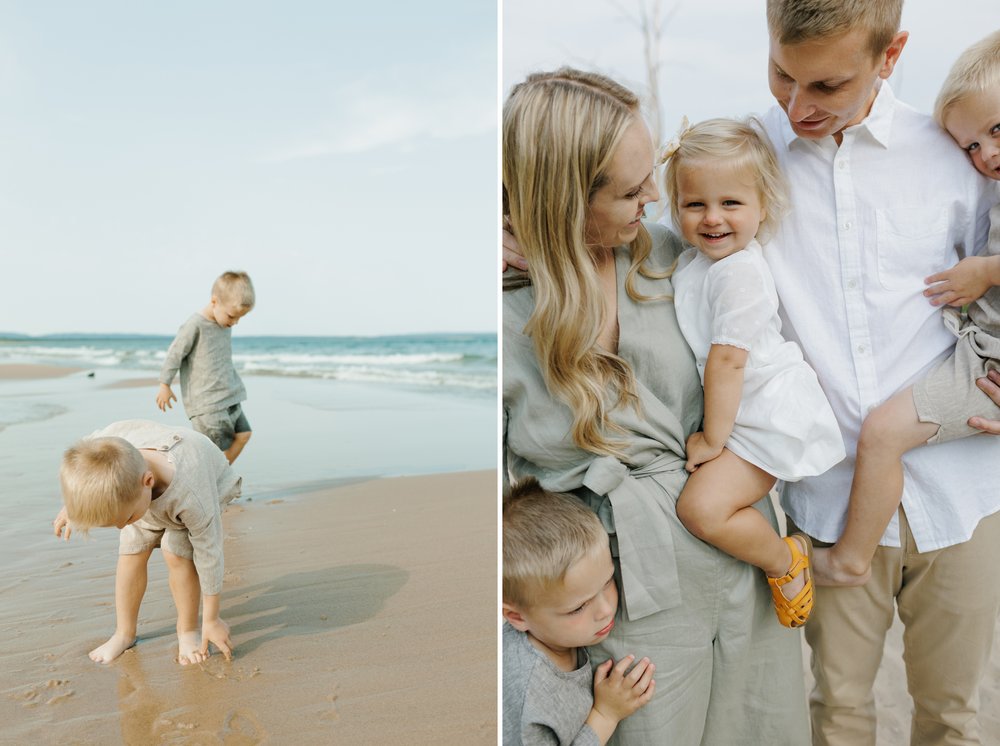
(946, 404)
(163, 487)
(559, 595)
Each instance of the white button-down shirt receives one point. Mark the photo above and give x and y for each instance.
(869, 220)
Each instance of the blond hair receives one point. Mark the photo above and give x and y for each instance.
(544, 534)
(560, 132)
(235, 288)
(795, 21)
(99, 478)
(741, 144)
(976, 71)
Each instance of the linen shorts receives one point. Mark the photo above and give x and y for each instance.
(221, 426)
(948, 395)
(139, 536)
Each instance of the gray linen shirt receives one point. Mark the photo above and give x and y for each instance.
(203, 482)
(985, 312)
(542, 704)
(203, 352)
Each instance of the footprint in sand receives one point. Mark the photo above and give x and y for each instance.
(241, 728)
(34, 696)
(332, 713)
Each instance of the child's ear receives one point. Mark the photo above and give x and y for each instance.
(514, 618)
(148, 480)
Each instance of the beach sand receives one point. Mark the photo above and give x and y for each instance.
(363, 609)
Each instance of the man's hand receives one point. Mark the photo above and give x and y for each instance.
(164, 397)
(990, 385)
(60, 525)
(699, 451)
(964, 283)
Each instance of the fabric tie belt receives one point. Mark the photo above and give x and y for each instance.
(644, 531)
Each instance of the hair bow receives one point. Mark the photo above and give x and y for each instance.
(675, 142)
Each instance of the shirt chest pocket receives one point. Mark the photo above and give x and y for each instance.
(912, 243)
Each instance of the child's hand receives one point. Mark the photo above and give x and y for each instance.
(61, 526)
(964, 283)
(618, 694)
(216, 631)
(512, 256)
(164, 396)
(699, 451)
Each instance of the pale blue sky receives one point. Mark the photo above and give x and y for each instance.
(346, 160)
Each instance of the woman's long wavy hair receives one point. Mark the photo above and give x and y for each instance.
(560, 132)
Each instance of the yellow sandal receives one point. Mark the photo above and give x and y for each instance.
(795, 611)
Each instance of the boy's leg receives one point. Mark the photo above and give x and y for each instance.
(716, 505)
(949, 603)
(846, 634)
(186, 590)
(130, 587)
(236, 448)
(888, 432)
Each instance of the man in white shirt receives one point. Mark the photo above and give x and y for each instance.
(881, 198)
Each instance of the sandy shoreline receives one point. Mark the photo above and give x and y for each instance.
(19, 371)
(361, 614)
(362, 605)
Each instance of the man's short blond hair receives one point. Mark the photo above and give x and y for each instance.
(976, 71)
(100, 477)
(235, 287)
(792, 22)
(544, 534)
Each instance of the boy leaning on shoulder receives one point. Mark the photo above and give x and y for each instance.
(559, 596)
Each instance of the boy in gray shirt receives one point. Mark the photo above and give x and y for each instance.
(203, 353)
(559, 595)
(163, 487)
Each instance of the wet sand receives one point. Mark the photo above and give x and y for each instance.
(363, 610)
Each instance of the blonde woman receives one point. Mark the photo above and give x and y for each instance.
(600, 395)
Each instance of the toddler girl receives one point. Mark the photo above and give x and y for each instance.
(766, 417)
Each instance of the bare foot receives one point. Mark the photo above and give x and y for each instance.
(829, 570)
(188, 644)
(114, 647)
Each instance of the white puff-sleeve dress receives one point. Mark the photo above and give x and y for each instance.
(784, 424)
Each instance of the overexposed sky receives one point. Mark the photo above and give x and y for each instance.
(346, 160)
(713, 59)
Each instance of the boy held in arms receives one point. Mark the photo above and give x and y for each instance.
(203, 353)
(559, 595)
(946, 404)
(163, 487)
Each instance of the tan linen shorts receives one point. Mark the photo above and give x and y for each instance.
(948, 396)
(139, 536)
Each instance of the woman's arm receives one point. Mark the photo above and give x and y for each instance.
(723, 392)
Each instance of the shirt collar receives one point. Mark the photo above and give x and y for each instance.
(878, 123)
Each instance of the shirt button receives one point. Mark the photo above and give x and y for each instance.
(842, 165)
(852, 284)
(861, 349)
(847, 225)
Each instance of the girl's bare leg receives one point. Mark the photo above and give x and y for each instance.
(716, 505)
(130, 587)
(888, 432)
(186, 590)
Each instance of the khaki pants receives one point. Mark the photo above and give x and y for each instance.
(948, 601)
